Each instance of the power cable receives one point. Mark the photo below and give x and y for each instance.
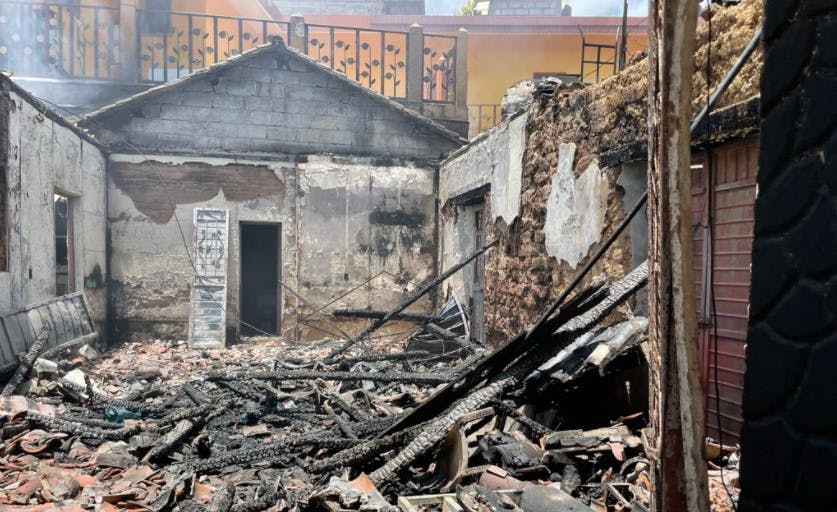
(711, 225)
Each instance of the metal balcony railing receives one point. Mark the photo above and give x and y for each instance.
(58, 40)
(62, 40)
(482, 117)
(173, 44)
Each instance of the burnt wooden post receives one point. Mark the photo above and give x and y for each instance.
(128, 62)
(675, 396)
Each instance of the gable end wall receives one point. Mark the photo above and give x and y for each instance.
(274, 103)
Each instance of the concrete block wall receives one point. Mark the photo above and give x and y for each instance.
(525, 7)
(275, 103)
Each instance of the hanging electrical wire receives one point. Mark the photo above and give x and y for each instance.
(711, 228)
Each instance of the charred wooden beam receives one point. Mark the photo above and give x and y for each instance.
(372, 358)
(536, 428)
(78, 429)
(353, 412)
(269, 451)
(410, 300)
(172, 438)
(511, 377)
(187, 413)
(98, 396)
(26, 363)
(364, 451)
(376, 315)
(441, 332)
(242, 390)
(412, 377)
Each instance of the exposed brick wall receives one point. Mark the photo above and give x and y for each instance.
(268, 103)
(598, 119)
(4, 192)
(789, 439)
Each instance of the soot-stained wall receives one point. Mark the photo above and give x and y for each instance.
(5, 106)
(788, 438)
(348, 223)
(44, 156)
(274, 138)
(577, 138)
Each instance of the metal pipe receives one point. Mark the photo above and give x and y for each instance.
(722, 87)
(730, 76)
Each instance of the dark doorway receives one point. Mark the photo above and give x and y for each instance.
(260, 246)
(63, 245)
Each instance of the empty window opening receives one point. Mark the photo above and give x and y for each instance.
(260, 275)
(63, 244)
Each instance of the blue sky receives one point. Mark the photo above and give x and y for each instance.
(580, 7)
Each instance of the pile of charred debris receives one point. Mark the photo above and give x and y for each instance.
(161, 426)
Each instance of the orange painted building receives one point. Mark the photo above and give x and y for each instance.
(503, 50)
(152, 41)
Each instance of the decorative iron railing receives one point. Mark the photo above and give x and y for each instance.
(439, 75)
(173, 44)
(64, 40)
(483, 117)
(376, 59)
(59, 40)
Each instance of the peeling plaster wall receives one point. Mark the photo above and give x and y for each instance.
(361, 219)
(344, 220)
(575, 208)
(5, 105)
(44, 157)
(606, 123)
(490, 166)
(150, 201)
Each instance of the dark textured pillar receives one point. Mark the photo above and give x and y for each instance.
(789, 437)
(5, 105)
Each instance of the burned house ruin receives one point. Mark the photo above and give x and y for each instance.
(383, 316)
(338, 179)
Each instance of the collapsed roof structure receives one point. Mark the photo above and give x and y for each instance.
(356, 429)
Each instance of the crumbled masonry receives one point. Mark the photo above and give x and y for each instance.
(274, 427)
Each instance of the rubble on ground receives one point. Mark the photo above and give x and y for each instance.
(276, 426)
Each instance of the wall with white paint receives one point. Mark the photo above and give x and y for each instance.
(575, 208)
(45, 157)
(490, 168)
(345, 221)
